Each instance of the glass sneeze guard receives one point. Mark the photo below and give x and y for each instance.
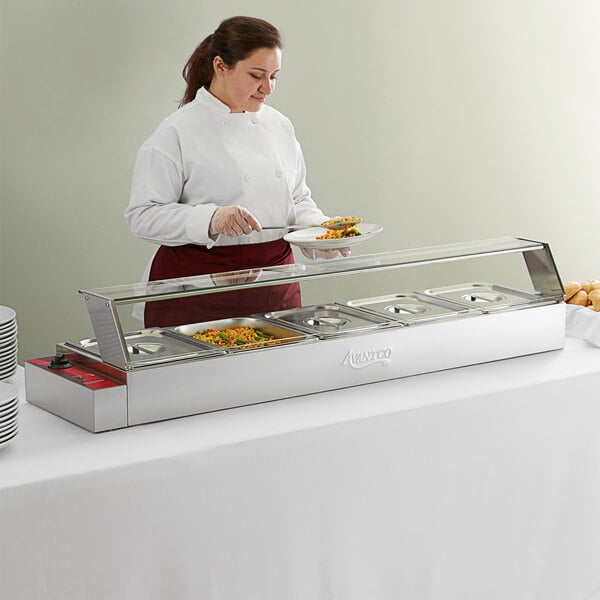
(206, 284)
(102, 303)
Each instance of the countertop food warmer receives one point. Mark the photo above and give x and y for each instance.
(362, 319)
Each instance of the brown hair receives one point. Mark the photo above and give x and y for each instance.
(234, 40)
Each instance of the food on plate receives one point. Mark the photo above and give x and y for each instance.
(237, 336)
(586, 293)
(341, 220)
(334, 234)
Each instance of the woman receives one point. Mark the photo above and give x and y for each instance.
(216, 171)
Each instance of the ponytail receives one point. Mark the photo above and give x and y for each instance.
(234, 40)
(198, 70)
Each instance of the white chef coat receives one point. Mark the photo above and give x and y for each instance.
(202, 157)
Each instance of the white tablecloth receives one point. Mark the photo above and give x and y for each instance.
(481, 483)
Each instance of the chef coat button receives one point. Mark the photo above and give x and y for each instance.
(279, 172)
(255, 119)
(225, 123)
(248, 177)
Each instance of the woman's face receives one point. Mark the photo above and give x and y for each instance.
(249, 83)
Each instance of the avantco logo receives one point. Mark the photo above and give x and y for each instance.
(360, 360)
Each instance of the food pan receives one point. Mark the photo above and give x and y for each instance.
(410, 307)
(283, 334)
(156, 345)
(486, 297)
(324, 320)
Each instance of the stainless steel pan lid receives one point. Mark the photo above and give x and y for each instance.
(487, 297)
(155, 345)
(409, 307)
(328, 319)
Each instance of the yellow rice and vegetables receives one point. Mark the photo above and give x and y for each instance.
(237, 336)
(334, 234)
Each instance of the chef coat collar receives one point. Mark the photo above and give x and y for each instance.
(207, 97)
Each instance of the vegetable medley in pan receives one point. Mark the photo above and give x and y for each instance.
(237, 336)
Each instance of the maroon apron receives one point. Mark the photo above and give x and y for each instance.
(185, 261)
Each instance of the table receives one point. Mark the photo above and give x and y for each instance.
(479, 483)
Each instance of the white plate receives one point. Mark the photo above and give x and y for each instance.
(9, 413)
(8, 393)
(9, 432)
(7, 315)
(9, 338)
(6, 428)
(8, 367)
(3, 441)
(8, 329)
(8, 404)
(8, 408)
(307, 238)
(4, 425)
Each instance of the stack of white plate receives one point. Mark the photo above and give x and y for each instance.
(9, 412)
(8, 342)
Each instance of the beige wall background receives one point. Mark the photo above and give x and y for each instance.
(459, 121)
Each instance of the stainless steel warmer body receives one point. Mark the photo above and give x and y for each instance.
(169, 374)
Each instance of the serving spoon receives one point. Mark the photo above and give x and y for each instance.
(338, 224)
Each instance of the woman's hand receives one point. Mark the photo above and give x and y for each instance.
(324, 253)
(233, 221)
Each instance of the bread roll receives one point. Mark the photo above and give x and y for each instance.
(594, 298)
(589, 284)
(580, 298)
(571, 288)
